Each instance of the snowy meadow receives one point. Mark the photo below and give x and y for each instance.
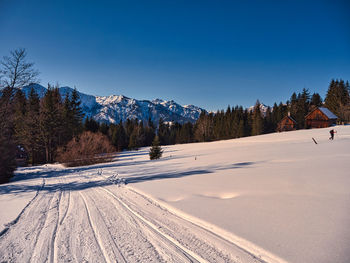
(279, 197)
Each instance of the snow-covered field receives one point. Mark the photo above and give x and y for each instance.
(271, 198)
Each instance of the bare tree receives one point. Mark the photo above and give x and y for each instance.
(15, 71)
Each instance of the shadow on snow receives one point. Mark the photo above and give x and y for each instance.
(91, 172)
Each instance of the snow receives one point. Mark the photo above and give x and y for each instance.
(280, 191)
(328, 113)
(274, 198)
(263, 108)
(15, 196)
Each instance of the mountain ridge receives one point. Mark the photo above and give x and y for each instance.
(116, 108)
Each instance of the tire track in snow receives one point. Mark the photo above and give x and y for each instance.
(19, 242)
(258, 255)
(134, 243)
(53, 250)
(38, 251)
(165, 242)
(68, 207)
(109, 236)
(10, 224)
(190, 254)
(59, 222)
(94, 230)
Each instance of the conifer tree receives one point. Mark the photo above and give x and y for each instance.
(51, 122)
(31, 133)
(240, 129)
(7, 158)
(19, 111)
(91, 125)
(174, 133)
(186, 133)
(137, 137)
(67, 118)
(163, 132)
(104, 128)
(338, 99)
(150, 132)
(77, 113)
(257, 120)
(156, 150)
(129, 127)
(7, 144)
(119, 139)
(204, 127)
(316, 100)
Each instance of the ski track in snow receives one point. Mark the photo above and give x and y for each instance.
(73, 217)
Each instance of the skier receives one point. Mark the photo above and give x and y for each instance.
(332, 134)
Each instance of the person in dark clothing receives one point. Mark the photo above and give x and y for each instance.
(332, 134)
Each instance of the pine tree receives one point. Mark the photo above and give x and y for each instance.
(77, 113)
(119, 139)
(31, 134)
(204, 127)
(150, 132)
(240, 130)
(257, 120)
(186, 133)
(67, 118)
(51, 122)
(338, 98)
(137, 137)
(7, 144)
(91, 125)
(104, 127)
(316, 100)
(7, 158)
(19, 107)
(163, 132)
(155, 151)
(269, 125)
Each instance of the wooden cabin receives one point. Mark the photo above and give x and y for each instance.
(286, 124)
(320, 118)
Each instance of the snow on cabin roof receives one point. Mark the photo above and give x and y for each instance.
(291, 119)
(328, 113)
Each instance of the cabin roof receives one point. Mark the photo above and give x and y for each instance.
(288, 117)
(328, 113)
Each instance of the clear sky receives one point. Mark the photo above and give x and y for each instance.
(207, 53)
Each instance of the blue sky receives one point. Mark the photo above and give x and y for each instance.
(207, 53)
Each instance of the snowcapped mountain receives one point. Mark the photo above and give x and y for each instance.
(116, 108)
(263, 109)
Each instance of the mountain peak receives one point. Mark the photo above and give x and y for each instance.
(116, 108)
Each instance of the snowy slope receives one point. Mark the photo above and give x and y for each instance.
(83, 215)
(115, 108)
(278, 197)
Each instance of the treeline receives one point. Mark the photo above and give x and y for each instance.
(237, 122)
(38, 127)
(134, 134)
(39, 130)
(35, 129)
